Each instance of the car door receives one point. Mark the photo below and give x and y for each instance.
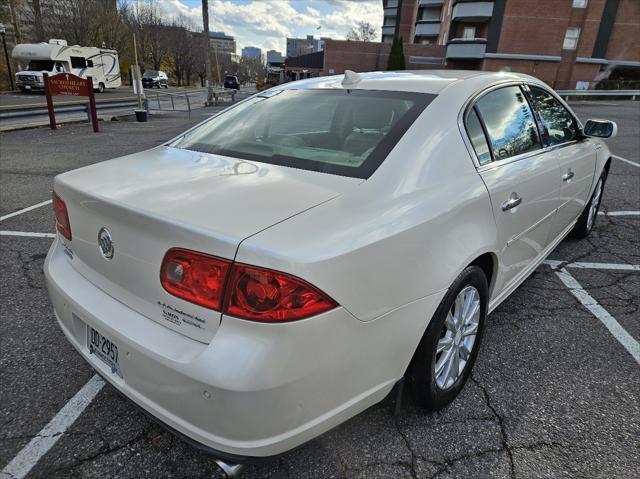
(576, 156)
(521, 178)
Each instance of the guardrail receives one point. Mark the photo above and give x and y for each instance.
(634, 94)
(17, 111)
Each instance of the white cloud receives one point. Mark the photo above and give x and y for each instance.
(267, 24)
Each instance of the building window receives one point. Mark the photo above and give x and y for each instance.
(580, 3)
(469, 33)
(571, 38)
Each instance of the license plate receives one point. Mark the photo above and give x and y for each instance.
(28, 87)
(103, 348)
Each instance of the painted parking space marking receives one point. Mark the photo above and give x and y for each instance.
(24, 210)
(582, 265)
(628, 342)
(29, 456)
(27, 234)
(619, 213)
(637, 165)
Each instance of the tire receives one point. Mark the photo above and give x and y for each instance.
(587, 219)
(433, 390)
(166, 85)
(101, 88)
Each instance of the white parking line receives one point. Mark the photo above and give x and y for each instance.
(49, 435)
(628, 342)
(619, 213)
(19, 212)
(580, 265)
(637, 165)
(27, 234)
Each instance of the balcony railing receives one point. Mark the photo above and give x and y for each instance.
(463, 48)
(390, 30)
(431, 29)
(472, 11)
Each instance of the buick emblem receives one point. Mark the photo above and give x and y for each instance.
(105, 243)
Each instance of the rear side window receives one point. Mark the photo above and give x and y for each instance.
(509, 122)
(479, 141)
(78, 62)
(343, 132)
(559, 125)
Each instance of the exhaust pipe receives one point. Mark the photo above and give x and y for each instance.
(231, 470)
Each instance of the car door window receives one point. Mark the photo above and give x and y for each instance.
(559, 124)
(509, 122)
(478, 140)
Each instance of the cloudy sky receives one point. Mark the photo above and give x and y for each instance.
(267, 23)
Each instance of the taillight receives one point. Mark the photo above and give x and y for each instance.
(195, 277)
(264, 295)
(62, 216)
(240, 290)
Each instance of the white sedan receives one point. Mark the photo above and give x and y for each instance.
(278, 268)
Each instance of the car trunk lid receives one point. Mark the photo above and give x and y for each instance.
(167, 197)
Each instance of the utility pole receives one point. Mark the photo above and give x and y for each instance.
(137, 74)
(6, 54)
(205, 25)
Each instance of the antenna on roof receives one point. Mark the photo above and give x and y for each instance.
(351, 78)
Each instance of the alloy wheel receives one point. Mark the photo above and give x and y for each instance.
(457, 338)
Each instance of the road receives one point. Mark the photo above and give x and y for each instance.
(554, 394)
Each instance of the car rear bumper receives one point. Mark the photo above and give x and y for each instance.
(256, 390)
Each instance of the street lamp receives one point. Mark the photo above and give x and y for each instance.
(6, 54)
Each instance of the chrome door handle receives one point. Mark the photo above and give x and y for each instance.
(567, 176)
(512, 202)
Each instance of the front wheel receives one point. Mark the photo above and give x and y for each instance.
(101, 88)
(587, 219)
(442, 363)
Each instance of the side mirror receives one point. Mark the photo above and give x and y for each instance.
(600, 128)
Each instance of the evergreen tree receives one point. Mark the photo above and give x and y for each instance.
(396, 55)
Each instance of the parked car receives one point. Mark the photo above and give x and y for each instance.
(231, 81)
(279, 268)
(155, 78)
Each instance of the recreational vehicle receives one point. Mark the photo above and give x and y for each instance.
(58, 57)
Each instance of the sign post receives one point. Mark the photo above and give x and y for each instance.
(69, 84)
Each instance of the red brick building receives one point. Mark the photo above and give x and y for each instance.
(567, 43)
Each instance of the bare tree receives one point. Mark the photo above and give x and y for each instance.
(205, 25)
(363, 31)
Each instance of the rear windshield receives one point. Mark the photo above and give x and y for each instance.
(37, 65)
(343, 132)
(150, 74)
(227, 78)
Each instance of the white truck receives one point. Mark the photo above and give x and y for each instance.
(57, 57)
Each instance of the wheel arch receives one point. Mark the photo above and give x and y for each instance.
(488, 263)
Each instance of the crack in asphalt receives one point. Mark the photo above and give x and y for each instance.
(503, 432)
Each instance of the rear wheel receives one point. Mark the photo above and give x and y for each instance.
(442, 363)
(101, 87)
(587, 219)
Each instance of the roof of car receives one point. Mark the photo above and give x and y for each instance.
(421, 81)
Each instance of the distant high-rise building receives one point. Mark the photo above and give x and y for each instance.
(274, 57)
(251, 52)
(302, 46)
(223, 44)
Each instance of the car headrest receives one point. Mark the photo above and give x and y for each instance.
(369, 116)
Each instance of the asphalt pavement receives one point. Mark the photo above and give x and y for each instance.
(555, 392)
